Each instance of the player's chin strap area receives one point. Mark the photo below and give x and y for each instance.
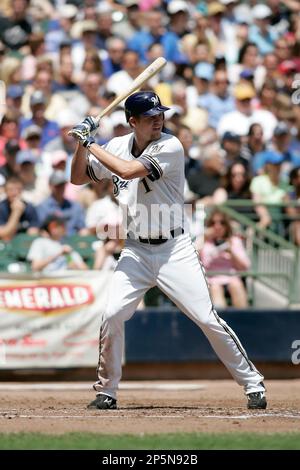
(161, 239)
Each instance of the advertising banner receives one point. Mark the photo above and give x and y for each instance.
(51, 321)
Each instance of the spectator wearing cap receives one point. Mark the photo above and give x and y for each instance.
(58, 204)
(287, 70)
(232, 144)
(32, 136)
(50, 253)
(58, 31)
(131, 22)
(268, 188)
(281, 144)
(261, 32)
(35, 190)
(86, 31)
(16, 27)
(239, 121)
(60, 162)
(16, 215)
(14, 99)
(104, 19)
(179, 15)
(203, 75)
(219, 101)
(216, 33)
(9, 168)
(43, 83)
(50, 129)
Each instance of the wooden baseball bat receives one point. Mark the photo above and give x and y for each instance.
(151, 70)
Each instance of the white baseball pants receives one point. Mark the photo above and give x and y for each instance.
(175, 268)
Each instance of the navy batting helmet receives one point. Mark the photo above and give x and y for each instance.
(143, 103)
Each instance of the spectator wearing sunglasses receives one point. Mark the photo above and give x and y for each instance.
(222, 251)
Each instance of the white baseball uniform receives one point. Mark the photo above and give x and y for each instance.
(173, 265)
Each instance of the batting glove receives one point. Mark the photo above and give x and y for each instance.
(91, 123)
(80, 132)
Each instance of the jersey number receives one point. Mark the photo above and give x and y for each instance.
(146, 186)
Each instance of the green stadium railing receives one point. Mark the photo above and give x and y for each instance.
(275, 260)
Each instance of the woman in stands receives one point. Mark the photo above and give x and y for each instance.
(223, 251)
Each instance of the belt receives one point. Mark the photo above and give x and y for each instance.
(158, 241)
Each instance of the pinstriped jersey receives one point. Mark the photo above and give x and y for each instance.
(154, 205)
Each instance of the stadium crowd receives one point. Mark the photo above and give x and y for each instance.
(232, 81)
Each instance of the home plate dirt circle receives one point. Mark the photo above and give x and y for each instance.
(148, 407)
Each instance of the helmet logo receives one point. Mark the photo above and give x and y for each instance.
(154, 100)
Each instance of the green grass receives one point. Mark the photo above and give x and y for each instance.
(178, 441)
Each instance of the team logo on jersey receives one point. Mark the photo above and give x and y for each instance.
(156, 149)
(119, 184)
(154, 100)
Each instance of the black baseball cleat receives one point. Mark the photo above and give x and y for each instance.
(103, 402)
(257, 401)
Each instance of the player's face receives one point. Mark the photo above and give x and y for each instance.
(149, 127)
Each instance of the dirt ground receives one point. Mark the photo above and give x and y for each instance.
(148, 407)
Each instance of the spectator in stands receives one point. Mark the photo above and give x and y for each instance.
(104, 256)
(86, 31)
(232, 146)
(131, 68)
(203, 74)
(219, 101)
(236, 185)
(223, 251)
(153, 31)
(207, 179)
(49, 253)
(115, 49)
(89, 97)
(65, 80)
(9, 129)
(245, 114)
(35, 190)
(16, 28)
(50, 129)
(9, 168)
(14, 99)
(294, 211)
(179, 16)
(261, 32)
(269, 189)
(255, 144)
(16, 215)
(58, 205)
(248, 60)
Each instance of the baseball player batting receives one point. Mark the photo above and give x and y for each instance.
(147, 169)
